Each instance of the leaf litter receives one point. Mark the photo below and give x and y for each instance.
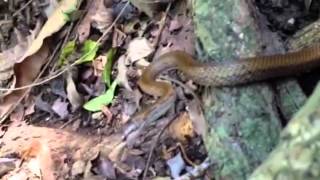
(99, 80)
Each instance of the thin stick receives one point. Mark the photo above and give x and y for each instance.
(66, 68)
(22, 8)
(155, 142)
(162, 23)
(12, 108)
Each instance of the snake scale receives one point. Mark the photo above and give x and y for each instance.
(217, 74)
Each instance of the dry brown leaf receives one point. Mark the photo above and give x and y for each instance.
(117, 152)
(139, 48)
(98, 65)
(102, 18)
(183, 39)
(118, 38)
(25, 72)
(99, 16)
(55, 22)
(16, 53)
(181, 128)
(11, 56)
(197, 118)
(122, 78)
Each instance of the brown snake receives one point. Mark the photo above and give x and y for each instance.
(224, 74)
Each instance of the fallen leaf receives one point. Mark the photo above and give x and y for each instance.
(98, 15)
(118, 38)
(176, 165)
(60, 108)
(122, 78)
(54, 23)
(89, 51)
(196, 116)
(75, 99)
(9, 57)
(117, 152)
(25, 72)
(105, 167)
(67, 50)
(16, 53)
(98, 65)
(78, 168)
(6, 165)
(139, 48)
(97, 115)
(183, 39)
(103, 16)
(97, 103)
(181, 128)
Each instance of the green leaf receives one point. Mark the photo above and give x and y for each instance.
(97, 103)
(67, 50)
(89, 51)
(107, 67)
(67, 14)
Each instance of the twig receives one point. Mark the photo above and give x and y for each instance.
(185, 155)
(13, 107)
(52, 57)
(22, 8)
(161, 26)
(66, 68)
(170, 120)
(113, 23)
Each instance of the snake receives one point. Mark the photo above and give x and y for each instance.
(241, 71)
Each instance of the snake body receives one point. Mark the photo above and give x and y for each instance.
(218, 74)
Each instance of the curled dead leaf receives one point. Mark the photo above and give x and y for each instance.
(181, 128)
(11, 56)
(54, 23)
(122, 73)
(25, 72)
